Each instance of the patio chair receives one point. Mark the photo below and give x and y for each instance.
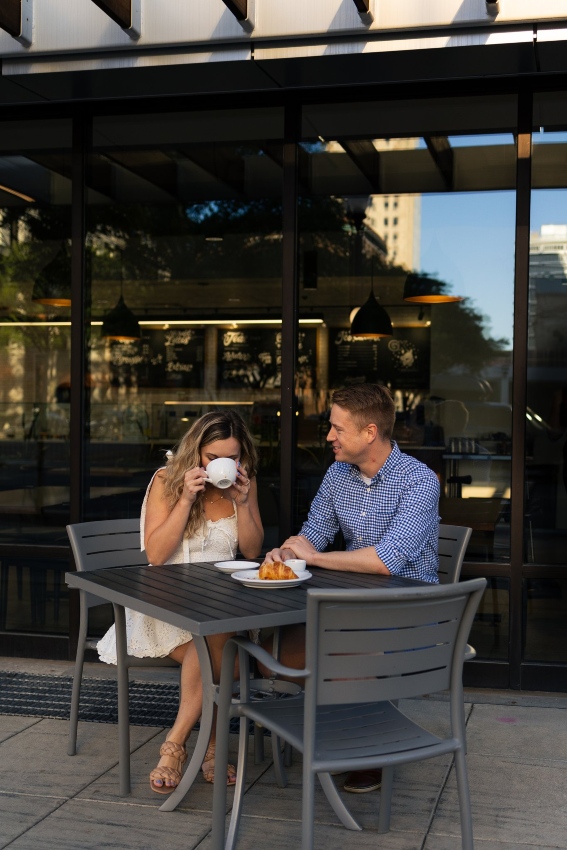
(453, 541)
(405, 643)
(97, 545)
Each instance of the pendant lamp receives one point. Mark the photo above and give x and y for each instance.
(371, 320)
(53, 284)
(120, 324)
(421, 289)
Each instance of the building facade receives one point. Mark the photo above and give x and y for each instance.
(194, 203)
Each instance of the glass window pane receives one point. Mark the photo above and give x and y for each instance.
(546, 416)
(184, 224)
(35, 279)
(447, 361)
(545, 618)
(490, 630)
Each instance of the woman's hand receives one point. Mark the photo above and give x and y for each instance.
(194, 482)
(240, 490)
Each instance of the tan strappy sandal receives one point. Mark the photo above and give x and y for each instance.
(208, 768)
(173, 751)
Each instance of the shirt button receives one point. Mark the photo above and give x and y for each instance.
(363, 513)
(360, 538)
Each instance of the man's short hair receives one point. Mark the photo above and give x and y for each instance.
(369, 404)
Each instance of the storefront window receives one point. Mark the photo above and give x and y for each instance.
(435, 212)
(184, 225)
(545, 528)
(546, 416)
(35, 280)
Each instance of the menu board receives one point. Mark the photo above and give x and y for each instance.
(251, 357)
(402, 361)
(163, 358)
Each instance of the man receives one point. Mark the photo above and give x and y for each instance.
(384, 502)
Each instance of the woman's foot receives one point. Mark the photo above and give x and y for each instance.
(208, 768)
(167, 775)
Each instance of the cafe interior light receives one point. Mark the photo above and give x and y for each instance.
(52, 286)
(120, 323)
(422, 289)
(371, 321)
(163, 323)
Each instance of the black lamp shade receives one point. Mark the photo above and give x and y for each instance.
(121, 324)
(371, 321)
(420, 289)
(53, 284)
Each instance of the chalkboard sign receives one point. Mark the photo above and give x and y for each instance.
(251, 357)
(402, 360)
(163, 358)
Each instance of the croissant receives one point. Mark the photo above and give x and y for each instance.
(276, 571)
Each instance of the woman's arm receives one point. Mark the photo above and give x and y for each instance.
(250, 530)
(164, 529)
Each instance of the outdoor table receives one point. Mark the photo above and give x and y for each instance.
(201, 599)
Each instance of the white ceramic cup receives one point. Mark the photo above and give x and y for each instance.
(221, 472)
(296, 564)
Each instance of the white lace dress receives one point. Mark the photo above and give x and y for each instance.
(150, 638)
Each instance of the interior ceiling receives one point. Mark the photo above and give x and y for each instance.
(195, 173)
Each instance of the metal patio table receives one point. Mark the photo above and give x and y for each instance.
(201, 599)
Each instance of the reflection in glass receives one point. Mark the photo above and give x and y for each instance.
(375, 212)
(35, 277)
(184, 223)
(545, 620)
(490, 630)
(546, 416)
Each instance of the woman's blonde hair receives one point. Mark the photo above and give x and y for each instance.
(213, 426)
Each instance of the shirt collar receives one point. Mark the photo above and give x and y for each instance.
(389, 465)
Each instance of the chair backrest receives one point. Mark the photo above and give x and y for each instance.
(103, 544)
(453, 542)
(376, 645)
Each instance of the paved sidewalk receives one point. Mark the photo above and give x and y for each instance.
(517, 757)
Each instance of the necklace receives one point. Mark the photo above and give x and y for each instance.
(212, 501)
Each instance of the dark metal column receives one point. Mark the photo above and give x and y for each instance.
(80, 334)
(519, 362)
(289, 318)
(80, 318)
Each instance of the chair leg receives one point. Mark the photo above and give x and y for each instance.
(307, 825)
(386, 799)
(464, 800)
(123, 707)
(258, 743)
(337, 804)
(279, 770)
(221, 762)
(240, 785)
(76, 692)
(288, 754)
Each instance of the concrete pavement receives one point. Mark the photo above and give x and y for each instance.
(517, 758)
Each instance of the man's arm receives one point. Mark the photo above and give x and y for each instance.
(363, 560)
(417, 512)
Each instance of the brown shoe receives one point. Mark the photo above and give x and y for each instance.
(363, 781)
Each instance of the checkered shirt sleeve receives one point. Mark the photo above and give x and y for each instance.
(397, 513)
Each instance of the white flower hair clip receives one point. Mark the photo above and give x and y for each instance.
(169, 454)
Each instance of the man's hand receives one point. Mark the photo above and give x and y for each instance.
(301, 548)
(281, 554)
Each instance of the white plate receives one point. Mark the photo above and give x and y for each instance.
(249, 578)
(232, 566)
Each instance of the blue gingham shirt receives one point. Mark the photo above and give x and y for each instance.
(397, 514)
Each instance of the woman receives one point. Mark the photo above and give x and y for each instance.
(186, 519)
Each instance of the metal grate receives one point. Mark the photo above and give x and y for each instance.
(50, 696)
